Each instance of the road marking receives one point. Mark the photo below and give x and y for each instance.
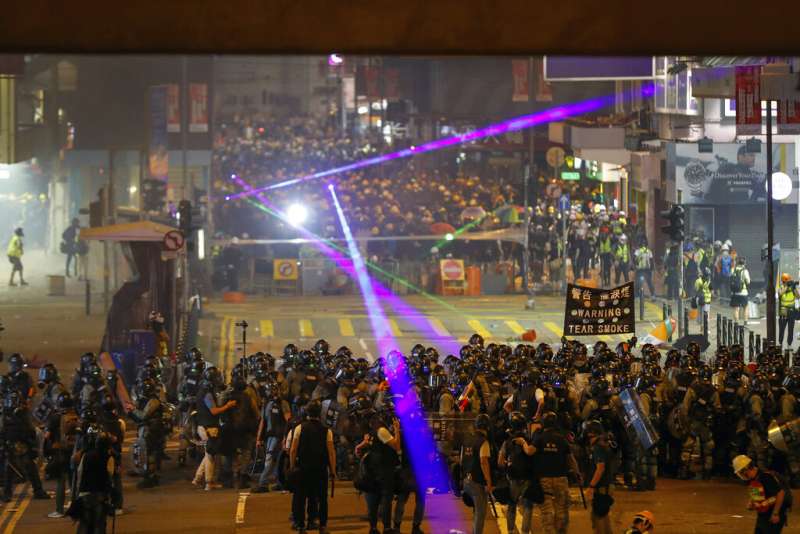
(478, 328)
(364, 346)
(395, 328)
(240, 506)
(231, 344)
(605, 338)
(306, 330)
(267, 328)
(223, 342)
(515, 327)
(13, 512)
(438, 326)
(658, 312)
(553, 327)
(346, 328)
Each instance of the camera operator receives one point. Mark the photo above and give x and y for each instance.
(787, 312)
(93, 485)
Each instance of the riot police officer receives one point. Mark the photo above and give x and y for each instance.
(208, 425)
(19, 442)
(150, 433)
(477, 470)
(272, 427)
(515, 457)
(17, 377)
(700, 404)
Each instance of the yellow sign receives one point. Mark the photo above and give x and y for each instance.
(284, 270)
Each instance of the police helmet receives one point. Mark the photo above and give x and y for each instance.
(549, 420)
(482, 422)
(48, 374)
(16, 363)
(87, 359)
(516, 420)
(213, 377)
(321, 347)
(476, 340)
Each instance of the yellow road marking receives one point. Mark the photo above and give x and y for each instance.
(654, 308)
(346, 328)
(306, 330)
(231, 344)
(605, 338)
(478, 328)
(554, 328)
(223, 342)
(267, 328)
(17, 513)
(438, 327)
(396, 332)
(515, 327)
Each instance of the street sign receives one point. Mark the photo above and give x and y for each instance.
(452, 269)
(169, 255)
(563, 203)
(570, 175)
(553, 191)
(555, 156)
(284, 269)
(173, 240)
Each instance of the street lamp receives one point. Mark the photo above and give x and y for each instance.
(296, 214)
(781, 186)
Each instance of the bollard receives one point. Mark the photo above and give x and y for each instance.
(719, 330)
(88, 298)
(758, 343)
(729, 337)
(685, 322)
(750, 347)
(669, 316)
(705, 326)
(641, 303)
(664, 315)
(787, 357)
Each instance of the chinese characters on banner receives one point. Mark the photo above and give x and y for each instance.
(519, 70)
(158, 157)
(173, 109)
(198, 112)
(592, 312)
(748, 100)
(544, 92)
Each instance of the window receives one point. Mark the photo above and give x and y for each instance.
(673, 92)
(730, 107)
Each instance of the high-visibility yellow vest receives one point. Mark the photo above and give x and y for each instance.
(15, 247)
(605, 246)
(705, 287)
(787, 297)
(622, 252)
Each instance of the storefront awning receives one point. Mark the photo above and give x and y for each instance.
(134, 231)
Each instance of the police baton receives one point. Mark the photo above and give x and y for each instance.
(333, 484)
(491, 501)
(583, 497)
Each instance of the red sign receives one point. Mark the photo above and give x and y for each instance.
(173, 240)
(519, 70)
(544, 92)
(173, 109)
(452, 270)
(748, 100)
(789, 116)
(198, 112)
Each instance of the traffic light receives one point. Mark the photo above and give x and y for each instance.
(154, 195)
(677, 223)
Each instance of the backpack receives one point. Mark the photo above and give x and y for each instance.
(70, 425)
(736, 282)
(725, 264)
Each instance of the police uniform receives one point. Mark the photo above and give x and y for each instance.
(150, 438)
(700, 404)
(552, 464)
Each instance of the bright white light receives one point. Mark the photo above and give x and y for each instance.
(363, 110)
(201, 244)
(5, 173)
(449, 237)
(297, 214)
(781, 185)
(133, 189)
(335, 59)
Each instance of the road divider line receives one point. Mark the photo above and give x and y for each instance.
(653, 307)
(478, 328)
(223, 342)
(515, 327)
(396, 332)
(231, 344)
(363, 344)
(267, 328)
(306, 329)
(13, 512)
(554, 328)
(438, 326)
(240, 507)
(346, 328)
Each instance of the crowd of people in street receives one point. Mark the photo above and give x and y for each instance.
(513, 426)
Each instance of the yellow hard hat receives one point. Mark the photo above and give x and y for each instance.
(740, 463)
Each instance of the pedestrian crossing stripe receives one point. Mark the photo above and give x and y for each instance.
(478, 328)
(267, 328)
(438, 327)
(346, 328)
(306, 330)
(515, 327)
(554, 328)
(396, 332)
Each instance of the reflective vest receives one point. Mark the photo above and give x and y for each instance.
(605, 246)
(787, 297)
(643, 258)
(15, 247)
(622, 252)
(705, 287)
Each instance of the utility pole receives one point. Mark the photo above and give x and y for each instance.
(528, 174)
(681, 333)
(770, 236)
(184, 128)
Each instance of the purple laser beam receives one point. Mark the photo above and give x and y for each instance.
(510, 125)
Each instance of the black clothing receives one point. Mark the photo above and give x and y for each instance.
(552, 453)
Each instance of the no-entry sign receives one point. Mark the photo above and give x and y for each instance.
(173, 240)
(452, 269)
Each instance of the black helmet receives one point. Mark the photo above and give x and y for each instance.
(417, 350)
(12, 400)
(593, 428)
(48, 374)
(213, 378)
(482, 422)
(516, 420)
(87, 359)
(705, 373)
(476, 340)
(64, 401)
(321, 347)
(549, 419)
(313, 409)
(290, 351)
(147, 389)
(432, 354)
(16, 363)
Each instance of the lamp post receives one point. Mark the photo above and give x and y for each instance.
(770, 234)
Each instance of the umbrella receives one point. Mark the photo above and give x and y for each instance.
(683, 342)
(442, 228)
(472, 213)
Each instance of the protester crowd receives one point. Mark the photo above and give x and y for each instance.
(513, 426)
